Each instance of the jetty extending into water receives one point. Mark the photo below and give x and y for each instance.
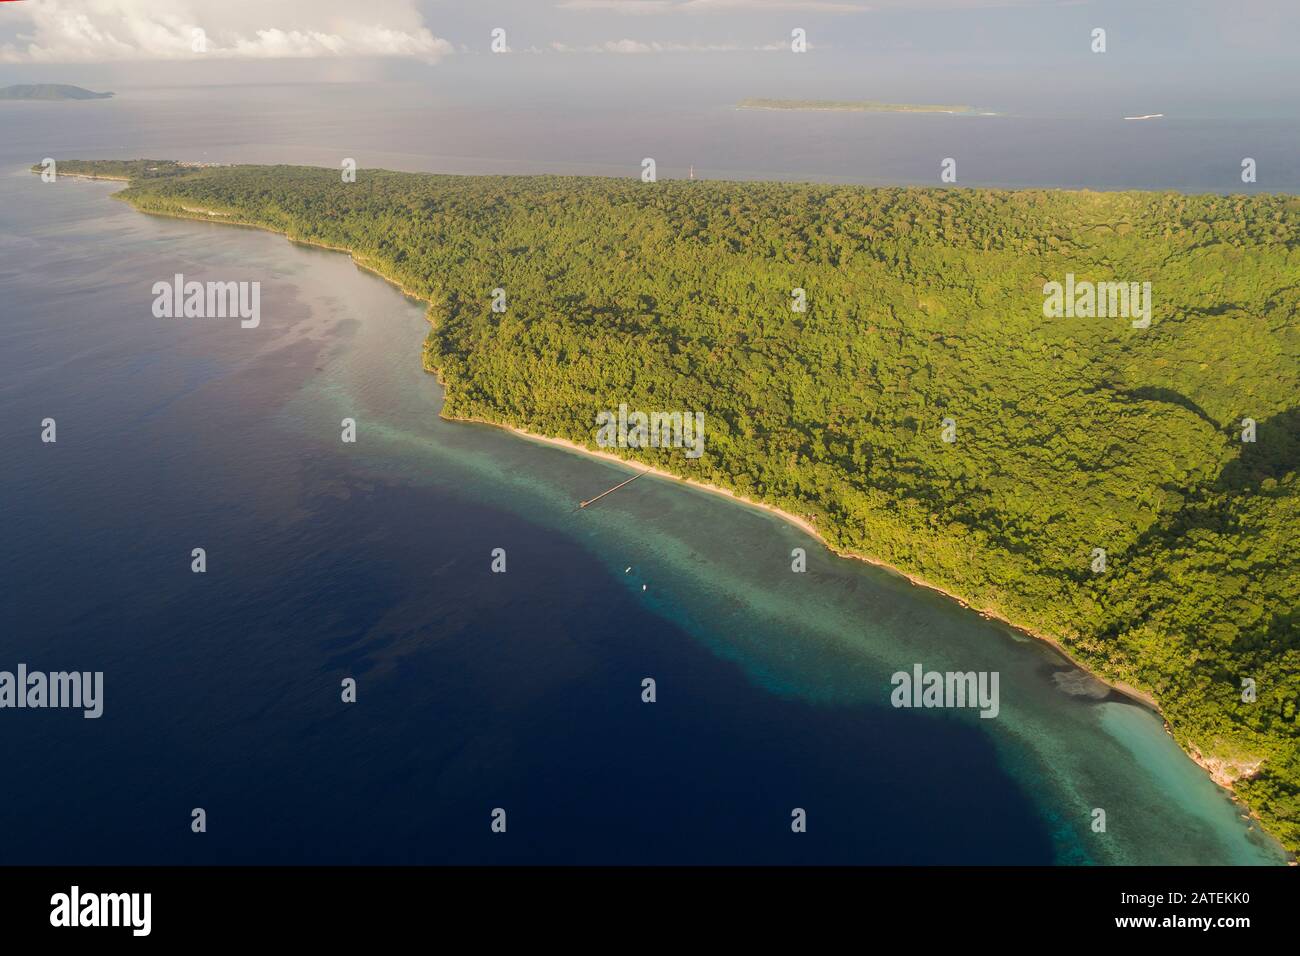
(592, 501)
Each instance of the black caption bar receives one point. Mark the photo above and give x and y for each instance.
(219, 904)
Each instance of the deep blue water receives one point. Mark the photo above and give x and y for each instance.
(476, 690)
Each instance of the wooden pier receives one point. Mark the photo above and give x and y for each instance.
(592, 501)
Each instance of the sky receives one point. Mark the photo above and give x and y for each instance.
(1238, 51)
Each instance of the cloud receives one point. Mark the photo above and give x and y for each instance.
(650, 7)
(67, 31)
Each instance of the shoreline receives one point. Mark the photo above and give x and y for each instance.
(1133, 694)
(1213, 767)
(112, 179)
(1217, 769)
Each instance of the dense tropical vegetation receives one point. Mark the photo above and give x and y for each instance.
(1072, 434)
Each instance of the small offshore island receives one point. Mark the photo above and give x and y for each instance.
(50, 91)
(854, 106)
(1097, 488)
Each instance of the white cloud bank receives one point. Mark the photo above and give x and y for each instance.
(94, 31)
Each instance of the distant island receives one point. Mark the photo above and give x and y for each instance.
(850, 106)
(50, 91)
(1095, 481)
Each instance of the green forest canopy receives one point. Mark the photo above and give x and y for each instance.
(922, 304)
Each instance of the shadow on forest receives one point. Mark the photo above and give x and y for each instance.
(1151, 393)
(1274, 453)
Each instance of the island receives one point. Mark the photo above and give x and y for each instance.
(887, 366)
(853, 106)
(50, 91)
